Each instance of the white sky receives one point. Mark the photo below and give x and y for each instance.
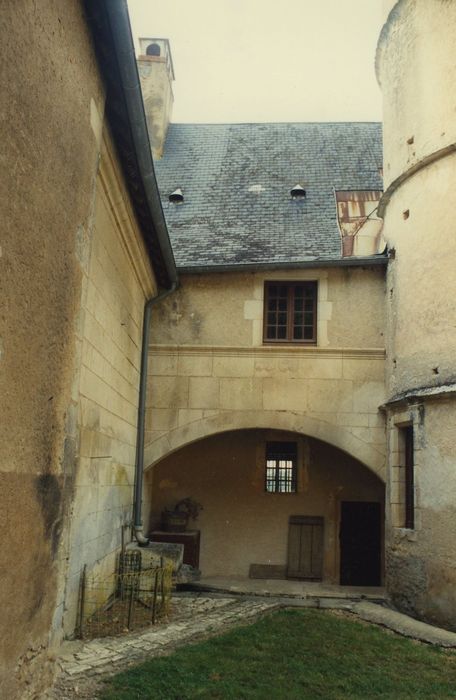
(267, 60)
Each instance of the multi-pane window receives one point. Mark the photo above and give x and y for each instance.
(290, 312)
(281, 467)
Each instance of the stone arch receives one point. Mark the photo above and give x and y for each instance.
(341, 437)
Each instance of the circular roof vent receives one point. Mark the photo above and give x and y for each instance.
(176, 197)
(298, 192)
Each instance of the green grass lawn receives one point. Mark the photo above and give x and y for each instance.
(294, 654)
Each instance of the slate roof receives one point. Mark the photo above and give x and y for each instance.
(236, 180)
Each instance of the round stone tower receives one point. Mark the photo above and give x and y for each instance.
(416, 69)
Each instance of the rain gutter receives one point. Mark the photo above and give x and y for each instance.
(299, 265)
(117, 15)
(114, 29)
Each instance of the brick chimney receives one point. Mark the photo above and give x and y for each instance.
(155, 67)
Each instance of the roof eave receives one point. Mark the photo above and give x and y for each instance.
(366, 261)
(110, 26)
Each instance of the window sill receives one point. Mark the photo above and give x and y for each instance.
(300, 343)
(404, 533)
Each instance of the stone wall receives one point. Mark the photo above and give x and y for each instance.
(51, 92)
(417, 70)
(156, 85)
(210, 371)
(117, 281)
(227, 309)
(74, 274)
(421, 574)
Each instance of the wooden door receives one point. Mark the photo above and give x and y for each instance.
(305, 547)
(360, 544)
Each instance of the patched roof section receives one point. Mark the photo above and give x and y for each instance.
(237, 181)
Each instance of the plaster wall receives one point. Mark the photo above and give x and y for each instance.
(117, 282)
(387, 6)
(209, 370)
(416, 70)
(421, 313)
(242, 524)
(51, 97)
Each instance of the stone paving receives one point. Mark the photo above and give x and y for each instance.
(83, 663)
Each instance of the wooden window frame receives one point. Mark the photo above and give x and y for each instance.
(291, 286)
(288, 451)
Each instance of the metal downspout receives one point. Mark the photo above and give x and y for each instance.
(139, 464)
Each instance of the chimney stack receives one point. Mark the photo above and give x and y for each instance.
(155, 67)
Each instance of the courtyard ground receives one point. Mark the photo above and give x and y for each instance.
(84, 666)
(291, 655)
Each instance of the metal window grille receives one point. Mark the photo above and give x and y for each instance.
(281, 463)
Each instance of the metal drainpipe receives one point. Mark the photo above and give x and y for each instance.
(139, 464)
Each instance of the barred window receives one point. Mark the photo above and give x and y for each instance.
(281, 467)
(290, 312)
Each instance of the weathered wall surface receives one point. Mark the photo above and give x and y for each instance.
(156, 86)
(421, 571)
(117, 281)
(51, 89)
(417, 72)
(421, 312)
(416, 67)
(227, 309)
(210, 371)
(242, 524)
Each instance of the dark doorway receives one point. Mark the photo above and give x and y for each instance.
(360, 544)
(305, 547)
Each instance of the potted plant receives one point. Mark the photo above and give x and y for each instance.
(176, 519)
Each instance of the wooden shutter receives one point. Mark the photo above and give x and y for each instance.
(305, 547)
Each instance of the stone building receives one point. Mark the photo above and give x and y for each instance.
(86, 247)
(233, 377)
(268, 417)
(301, 378)
(416, 69)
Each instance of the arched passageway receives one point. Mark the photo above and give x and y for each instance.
(360, 443)
(275, 504)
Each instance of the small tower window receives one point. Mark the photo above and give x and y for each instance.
(176, 197)
(153, 50)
